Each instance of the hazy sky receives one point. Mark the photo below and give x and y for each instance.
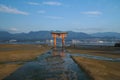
(88, 16)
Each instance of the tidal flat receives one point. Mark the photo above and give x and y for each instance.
(98, 69)
(13, 56)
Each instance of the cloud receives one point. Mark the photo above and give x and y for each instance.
(41, 11)
(13, 30)
(54, 17)
(6, 9)
(33, 3)
(51, 3)
(92, 12)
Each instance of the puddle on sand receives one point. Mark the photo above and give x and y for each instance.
(54, 65)
(97, 57)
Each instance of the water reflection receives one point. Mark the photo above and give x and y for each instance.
(59, 52)
(54, 65)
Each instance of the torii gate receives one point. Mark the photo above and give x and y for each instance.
(59, 35)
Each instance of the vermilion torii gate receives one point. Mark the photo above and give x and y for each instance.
(59, 35)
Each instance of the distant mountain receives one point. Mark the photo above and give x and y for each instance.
(77, 35)
(107, 34)
(40, 35)
(36, 35)
(43, 35)
(4, 35)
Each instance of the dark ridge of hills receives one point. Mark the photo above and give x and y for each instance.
(40, 35)
(4, 35)
(43, 35)
(106, 34)
(77, 35)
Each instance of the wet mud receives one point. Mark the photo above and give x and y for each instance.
(53, 65)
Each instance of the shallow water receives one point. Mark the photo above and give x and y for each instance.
(97, 57)
(53, 65)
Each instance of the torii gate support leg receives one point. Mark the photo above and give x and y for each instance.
(54, 42)
(63, 42)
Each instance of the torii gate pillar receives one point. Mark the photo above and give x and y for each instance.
(59, 35)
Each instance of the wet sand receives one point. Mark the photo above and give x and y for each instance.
(6, 69)
(98, 69)
(53, 65)
(105, 51)
(20, 52)
(13, 56)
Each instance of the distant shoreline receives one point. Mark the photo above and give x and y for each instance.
(78, 44)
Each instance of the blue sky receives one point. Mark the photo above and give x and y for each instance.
(89, 16)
